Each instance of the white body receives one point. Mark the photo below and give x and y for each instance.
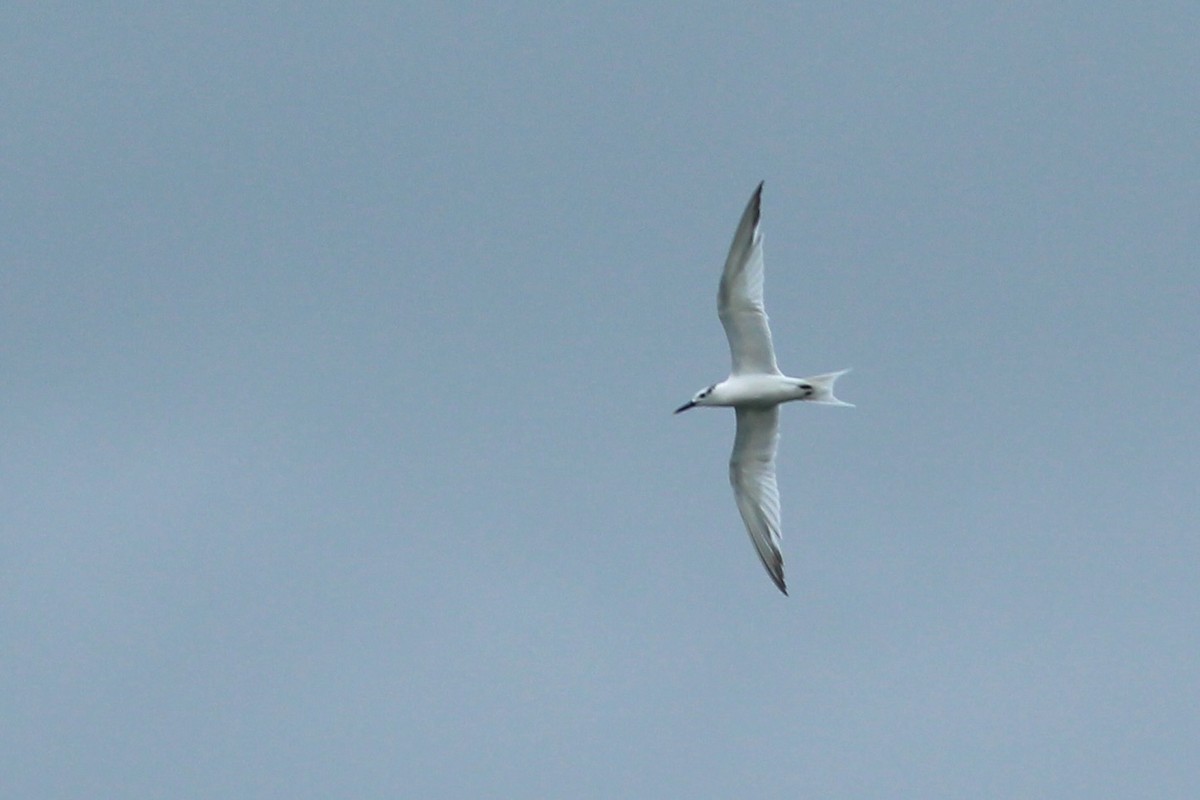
(756, 388)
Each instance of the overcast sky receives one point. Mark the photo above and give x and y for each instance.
(338, 350)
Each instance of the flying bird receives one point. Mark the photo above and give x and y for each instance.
(755, 389)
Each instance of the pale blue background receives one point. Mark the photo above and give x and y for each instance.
(339, 345)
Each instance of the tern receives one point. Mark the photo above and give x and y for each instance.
(755, 389)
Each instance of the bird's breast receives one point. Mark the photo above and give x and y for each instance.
(758, 390)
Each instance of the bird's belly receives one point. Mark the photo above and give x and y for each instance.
(759, 391)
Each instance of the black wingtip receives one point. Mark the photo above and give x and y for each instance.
(756, 203)
(777, 575)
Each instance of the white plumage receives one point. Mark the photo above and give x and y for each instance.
(755, 388)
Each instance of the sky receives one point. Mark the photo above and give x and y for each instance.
(338, 350)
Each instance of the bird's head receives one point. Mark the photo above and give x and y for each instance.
(701, 398)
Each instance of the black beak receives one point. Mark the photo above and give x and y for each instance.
(686, 406)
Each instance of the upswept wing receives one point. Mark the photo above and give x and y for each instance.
(740, 297)
(752, 474)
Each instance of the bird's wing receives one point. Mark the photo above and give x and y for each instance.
(752, 474)
(740, 297)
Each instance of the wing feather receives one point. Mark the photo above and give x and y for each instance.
(752, 475)
(740, 297)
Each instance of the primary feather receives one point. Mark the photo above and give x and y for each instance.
(752, 474)
(740, 297)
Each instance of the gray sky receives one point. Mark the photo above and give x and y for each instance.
(338, 351)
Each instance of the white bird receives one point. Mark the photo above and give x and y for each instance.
(755, 388)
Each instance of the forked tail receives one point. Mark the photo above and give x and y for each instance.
(823, 389)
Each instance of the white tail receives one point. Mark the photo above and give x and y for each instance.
(823, 389)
